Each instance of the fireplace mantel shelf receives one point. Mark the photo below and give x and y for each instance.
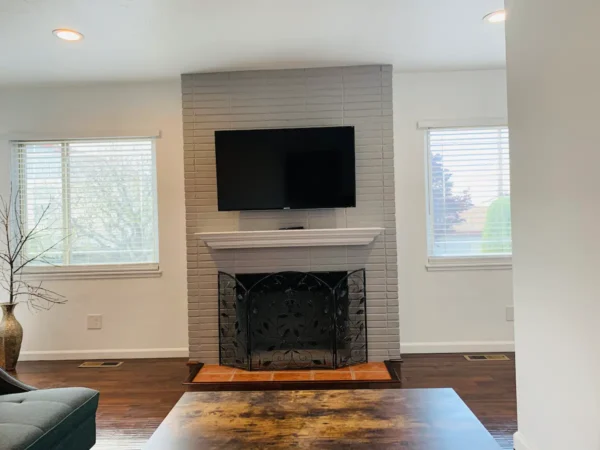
(290, 238)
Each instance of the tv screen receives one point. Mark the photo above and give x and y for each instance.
(291, 168)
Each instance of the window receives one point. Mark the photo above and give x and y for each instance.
(469, 193)
(100, 197)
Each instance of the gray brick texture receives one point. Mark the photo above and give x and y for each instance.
(360, 96)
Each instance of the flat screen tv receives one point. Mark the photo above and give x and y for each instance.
(289, 168)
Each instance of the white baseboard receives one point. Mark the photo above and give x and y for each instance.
(407, 348)
(519, 442)
(140, 353)
(457, 347)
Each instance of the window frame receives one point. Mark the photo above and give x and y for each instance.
(87, 271)
(455, 263)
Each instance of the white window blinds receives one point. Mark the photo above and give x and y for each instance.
(469, 192)
(100, 195)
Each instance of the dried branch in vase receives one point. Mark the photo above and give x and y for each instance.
(17, 237)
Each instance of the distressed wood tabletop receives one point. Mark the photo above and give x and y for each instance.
(408, 419)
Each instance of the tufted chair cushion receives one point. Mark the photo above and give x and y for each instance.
(46, 419)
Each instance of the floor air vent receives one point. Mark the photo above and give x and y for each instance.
(486, 358)
(96, 364)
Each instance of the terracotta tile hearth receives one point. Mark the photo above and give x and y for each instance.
(222, 374)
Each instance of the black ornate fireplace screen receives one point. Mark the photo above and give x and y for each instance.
(292, 320)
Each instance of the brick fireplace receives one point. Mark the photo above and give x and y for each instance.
(359, 96)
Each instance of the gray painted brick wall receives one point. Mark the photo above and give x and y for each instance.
(359, 96)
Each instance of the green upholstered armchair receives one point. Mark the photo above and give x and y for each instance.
(46, 419)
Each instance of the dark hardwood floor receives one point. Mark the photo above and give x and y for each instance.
(487, 387)
(134, 398)
(137, 396)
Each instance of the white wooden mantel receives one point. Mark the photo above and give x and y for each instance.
(290, 238)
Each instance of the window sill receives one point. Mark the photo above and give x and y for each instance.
(113, 271)
(469, 263)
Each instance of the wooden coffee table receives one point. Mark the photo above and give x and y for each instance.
(409, 419)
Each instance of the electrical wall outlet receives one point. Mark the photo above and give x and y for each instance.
(510, 313)
(94, 322)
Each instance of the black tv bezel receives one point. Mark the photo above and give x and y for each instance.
(287, 208)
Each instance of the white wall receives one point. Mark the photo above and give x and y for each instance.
(142, 317)
(439, 311)
(553, 53)
(443, 311)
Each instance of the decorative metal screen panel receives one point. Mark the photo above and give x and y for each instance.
(351, 320)
(292, 320)
(233, 323)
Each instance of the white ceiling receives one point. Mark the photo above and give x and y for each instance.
(147, 39)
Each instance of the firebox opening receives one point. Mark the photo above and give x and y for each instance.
(292, 320)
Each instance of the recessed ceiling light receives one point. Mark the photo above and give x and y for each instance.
(68, 35)
(495, 17)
